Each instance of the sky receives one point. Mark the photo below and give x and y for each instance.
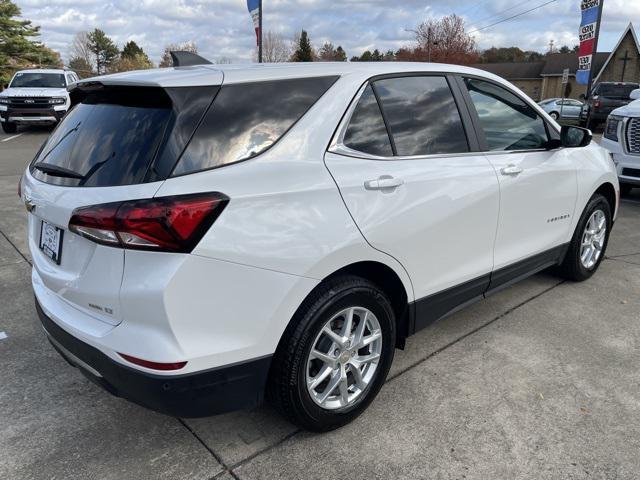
(223, 28)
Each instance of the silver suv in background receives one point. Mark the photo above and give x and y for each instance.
(35, 97)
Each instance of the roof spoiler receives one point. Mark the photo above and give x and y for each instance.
(187, 59)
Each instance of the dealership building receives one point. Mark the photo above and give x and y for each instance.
(543, 79)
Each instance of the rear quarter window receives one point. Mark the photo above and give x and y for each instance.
(247, 119)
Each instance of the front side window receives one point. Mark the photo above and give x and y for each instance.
(38, 80)
(422, 115)
(508, 122)
(247, 119)
(366, 131)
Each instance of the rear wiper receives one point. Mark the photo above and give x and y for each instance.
(56, 171)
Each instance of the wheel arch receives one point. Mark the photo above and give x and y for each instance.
(387, 279)
(608, 191)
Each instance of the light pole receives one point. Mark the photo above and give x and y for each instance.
(428, 40)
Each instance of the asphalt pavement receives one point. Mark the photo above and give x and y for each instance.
(539, 381)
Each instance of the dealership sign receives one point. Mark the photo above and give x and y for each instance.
(588, 34)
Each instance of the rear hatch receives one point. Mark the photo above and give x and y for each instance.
(117, 143)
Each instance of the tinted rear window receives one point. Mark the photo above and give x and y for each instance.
(366, 131)
(422, 115)
(616, 91)
(109, 138)
(247, 119)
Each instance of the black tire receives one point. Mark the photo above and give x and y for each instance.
(287, 388)
(572, 268)
(8, 127)
(625, 188)
(555, 115)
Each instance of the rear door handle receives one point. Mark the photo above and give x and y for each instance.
(511, 170)
(385, 182)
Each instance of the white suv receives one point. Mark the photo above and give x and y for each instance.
(35, 97)
(622, 138)
(203, 236)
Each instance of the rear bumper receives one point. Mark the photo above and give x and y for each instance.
(197, 394)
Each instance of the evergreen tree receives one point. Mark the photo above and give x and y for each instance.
(18, 49)
(131, 50)
(341, 55)
(81, 67)
(304, 52)
(104, 50)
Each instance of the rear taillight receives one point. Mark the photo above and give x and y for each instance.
(20, 187)
(170, 224)
(597, 104)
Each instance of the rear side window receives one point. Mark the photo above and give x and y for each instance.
(366, 131)
(247, 119)
(108, 139)
(508, 122)
(422, 115)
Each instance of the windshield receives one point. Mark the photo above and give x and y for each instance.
(38, 80)
(616, 91)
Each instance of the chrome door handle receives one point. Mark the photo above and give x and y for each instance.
(511, 170)
(385, 182)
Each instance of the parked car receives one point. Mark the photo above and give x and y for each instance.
(35, 97)
(606, 97)
(205, 236)
(622, 138)
(567, 107)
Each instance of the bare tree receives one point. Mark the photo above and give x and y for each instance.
(444, 40)
(80, 49)
(274, 48)
(167, 61)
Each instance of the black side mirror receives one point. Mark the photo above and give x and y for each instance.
(5, 86)
(574, 137)
(582, 96)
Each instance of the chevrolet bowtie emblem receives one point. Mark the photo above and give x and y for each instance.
(29, 205)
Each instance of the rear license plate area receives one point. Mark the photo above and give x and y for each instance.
(51, 241)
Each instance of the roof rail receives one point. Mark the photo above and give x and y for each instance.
(187, 59)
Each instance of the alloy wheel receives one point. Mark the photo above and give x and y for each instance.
(344, 358)
(593, 239)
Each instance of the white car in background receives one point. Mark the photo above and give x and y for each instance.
(205, 236)
(622, 138)
(35, 97)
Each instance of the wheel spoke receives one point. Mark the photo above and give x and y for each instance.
(329, 360)
(333, 384)
(360, 329)
(333, 335)
(348, 324)
(371, 338)
(320, 377)
(368, 358)
(357, 376)
(344, 386)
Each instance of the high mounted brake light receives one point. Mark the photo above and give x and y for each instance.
(168, 224)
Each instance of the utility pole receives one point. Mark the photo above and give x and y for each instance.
(260, 32)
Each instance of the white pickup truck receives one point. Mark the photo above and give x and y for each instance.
(35, 97)
(622, 138)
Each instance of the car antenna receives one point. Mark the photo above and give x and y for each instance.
(187, 59)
